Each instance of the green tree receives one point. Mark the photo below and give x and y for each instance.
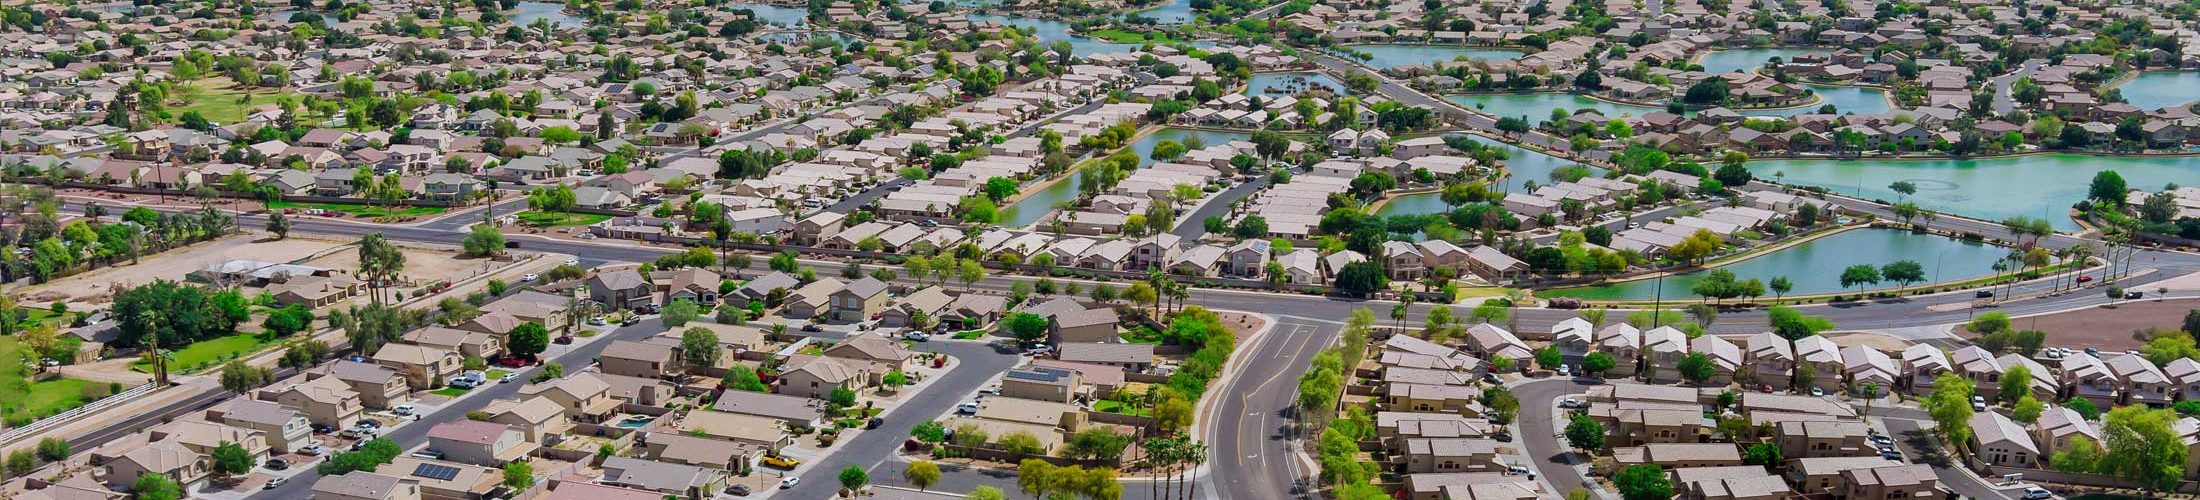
(519, 475)
(1584, 433)
(842, 396)
(527, 340)
(230, 459)
(853, 477)
(680, 312)
(2015, 383)
(1950, 407)
(1598, 363)
(699, 347)
(2107, 187)
(1696, 367)
(1766, 454)
(742, 377)
(1903, 272)
(1025, 326)
(483, 241)
(151, 486)
(2082, 455)
(1645, 481)
(53, 449)
(2027, 410)
(1860, 274)
(923, 473)
(2143, 444)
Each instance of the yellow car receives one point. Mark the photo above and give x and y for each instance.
(781, 462)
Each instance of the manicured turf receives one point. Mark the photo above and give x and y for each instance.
(217, 100)
(451, 391)
(369, 211)
(34, 399)
(206, 353)
(556, 219)
(1123, 36)
(1115, 407)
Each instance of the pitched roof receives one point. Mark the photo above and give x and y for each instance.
(469, 431)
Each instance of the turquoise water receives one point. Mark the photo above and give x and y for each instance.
(1030, 209)
(1992, 189)
(1537, 106)
(1815, 266)
(1521, 165)
(1049, 31)
(2161, 89)
(1730, 60)
(1174, 12)
(1390, 56)
(554, 12)
(776, 15)
(1285, 84)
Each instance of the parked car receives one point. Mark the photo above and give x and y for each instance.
(274, 483)
(2130, 295)
(739, 490)
(597, 321)
(813, 328)
(310, 450)
(917, 336)
(1983, 294)
(508, 378)
(529, 277)
(789, 482)
(2037, 493)
(277, 464)
(1571, 403)
(563, 340)
(874, 423)
(970, 408)
(404, 410)
(779, 462)
(323, 429)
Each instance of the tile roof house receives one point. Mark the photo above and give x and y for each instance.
(676, 479)
(622, 289)
(424, 367)
(487, 444)
(366, 486)
(638, 359)
(2001, 442)
(1131, 357)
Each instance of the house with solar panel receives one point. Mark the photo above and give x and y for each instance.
(479, 443)
(445, 479)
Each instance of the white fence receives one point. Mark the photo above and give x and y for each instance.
(102, 404)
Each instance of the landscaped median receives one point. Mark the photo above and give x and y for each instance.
(360, 211)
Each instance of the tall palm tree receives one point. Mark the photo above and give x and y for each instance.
(1194, 455)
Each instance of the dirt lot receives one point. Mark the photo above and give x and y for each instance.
(2106, 329)
(93, 290)
(1873, 340)
(422, 265)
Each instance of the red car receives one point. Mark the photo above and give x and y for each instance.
(512, 361)
(2083, 278)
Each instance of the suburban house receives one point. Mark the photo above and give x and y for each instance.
(486, 444)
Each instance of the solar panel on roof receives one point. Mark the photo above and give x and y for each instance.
(436, 472)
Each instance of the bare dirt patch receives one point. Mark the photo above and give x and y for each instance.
(95, 289)
(2104, 328)
(422, 265)
(1872, 340)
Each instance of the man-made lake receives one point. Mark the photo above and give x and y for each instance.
(1992, 189)
(1815, 266)
(2154, 90)
(1731, 60)
(1537, 106)
(777, 15)
(1032, 208)
(1050, 31)
(1287, 84)
(1521, 165)
(1174, 12)
(528, 12)
(1390, 56)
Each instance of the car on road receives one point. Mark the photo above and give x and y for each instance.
(1565, 371)
(2085, 279)
(404, 410)
(274, 483)
(597, 321)
(1572, 403)
(507, 378)
(1983, 294)
(2130, 295)
(874, 423)
(630, 321)
(739, 490)
(2037, 493)
(917, 336)
(812, 328)
(789, 482)
(573, 262)
(529, 277)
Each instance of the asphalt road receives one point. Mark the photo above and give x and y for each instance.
(415, 434)
(1192, 226)
(1252, 435)
(1538, 436)
(873, 448)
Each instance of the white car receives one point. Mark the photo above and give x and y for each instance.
(1572, 403)
(528, 277)
(2037, 493)
(404, 410)
(573, 262)
(507, 378)
(789, 482)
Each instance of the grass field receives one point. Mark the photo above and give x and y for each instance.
(559, 219)
(24, 401)
(368, 211)
(207, 353)
(969, 334)
(219, 100)
(451, 391)
(1123, 36)
(1116, 407)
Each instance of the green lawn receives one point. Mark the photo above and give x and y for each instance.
(1115, 407)
(217, 99)
(559, 219)
(969, 334)
(1125, 36)
(24, 401)
(451, 391)
(207, 353)
(368, 211)
(497, 374)
(1142, 335)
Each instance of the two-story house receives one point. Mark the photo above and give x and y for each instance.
(424, 367)
(285, 429)
(486, 444)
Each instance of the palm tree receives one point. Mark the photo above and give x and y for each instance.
(1194, 454)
